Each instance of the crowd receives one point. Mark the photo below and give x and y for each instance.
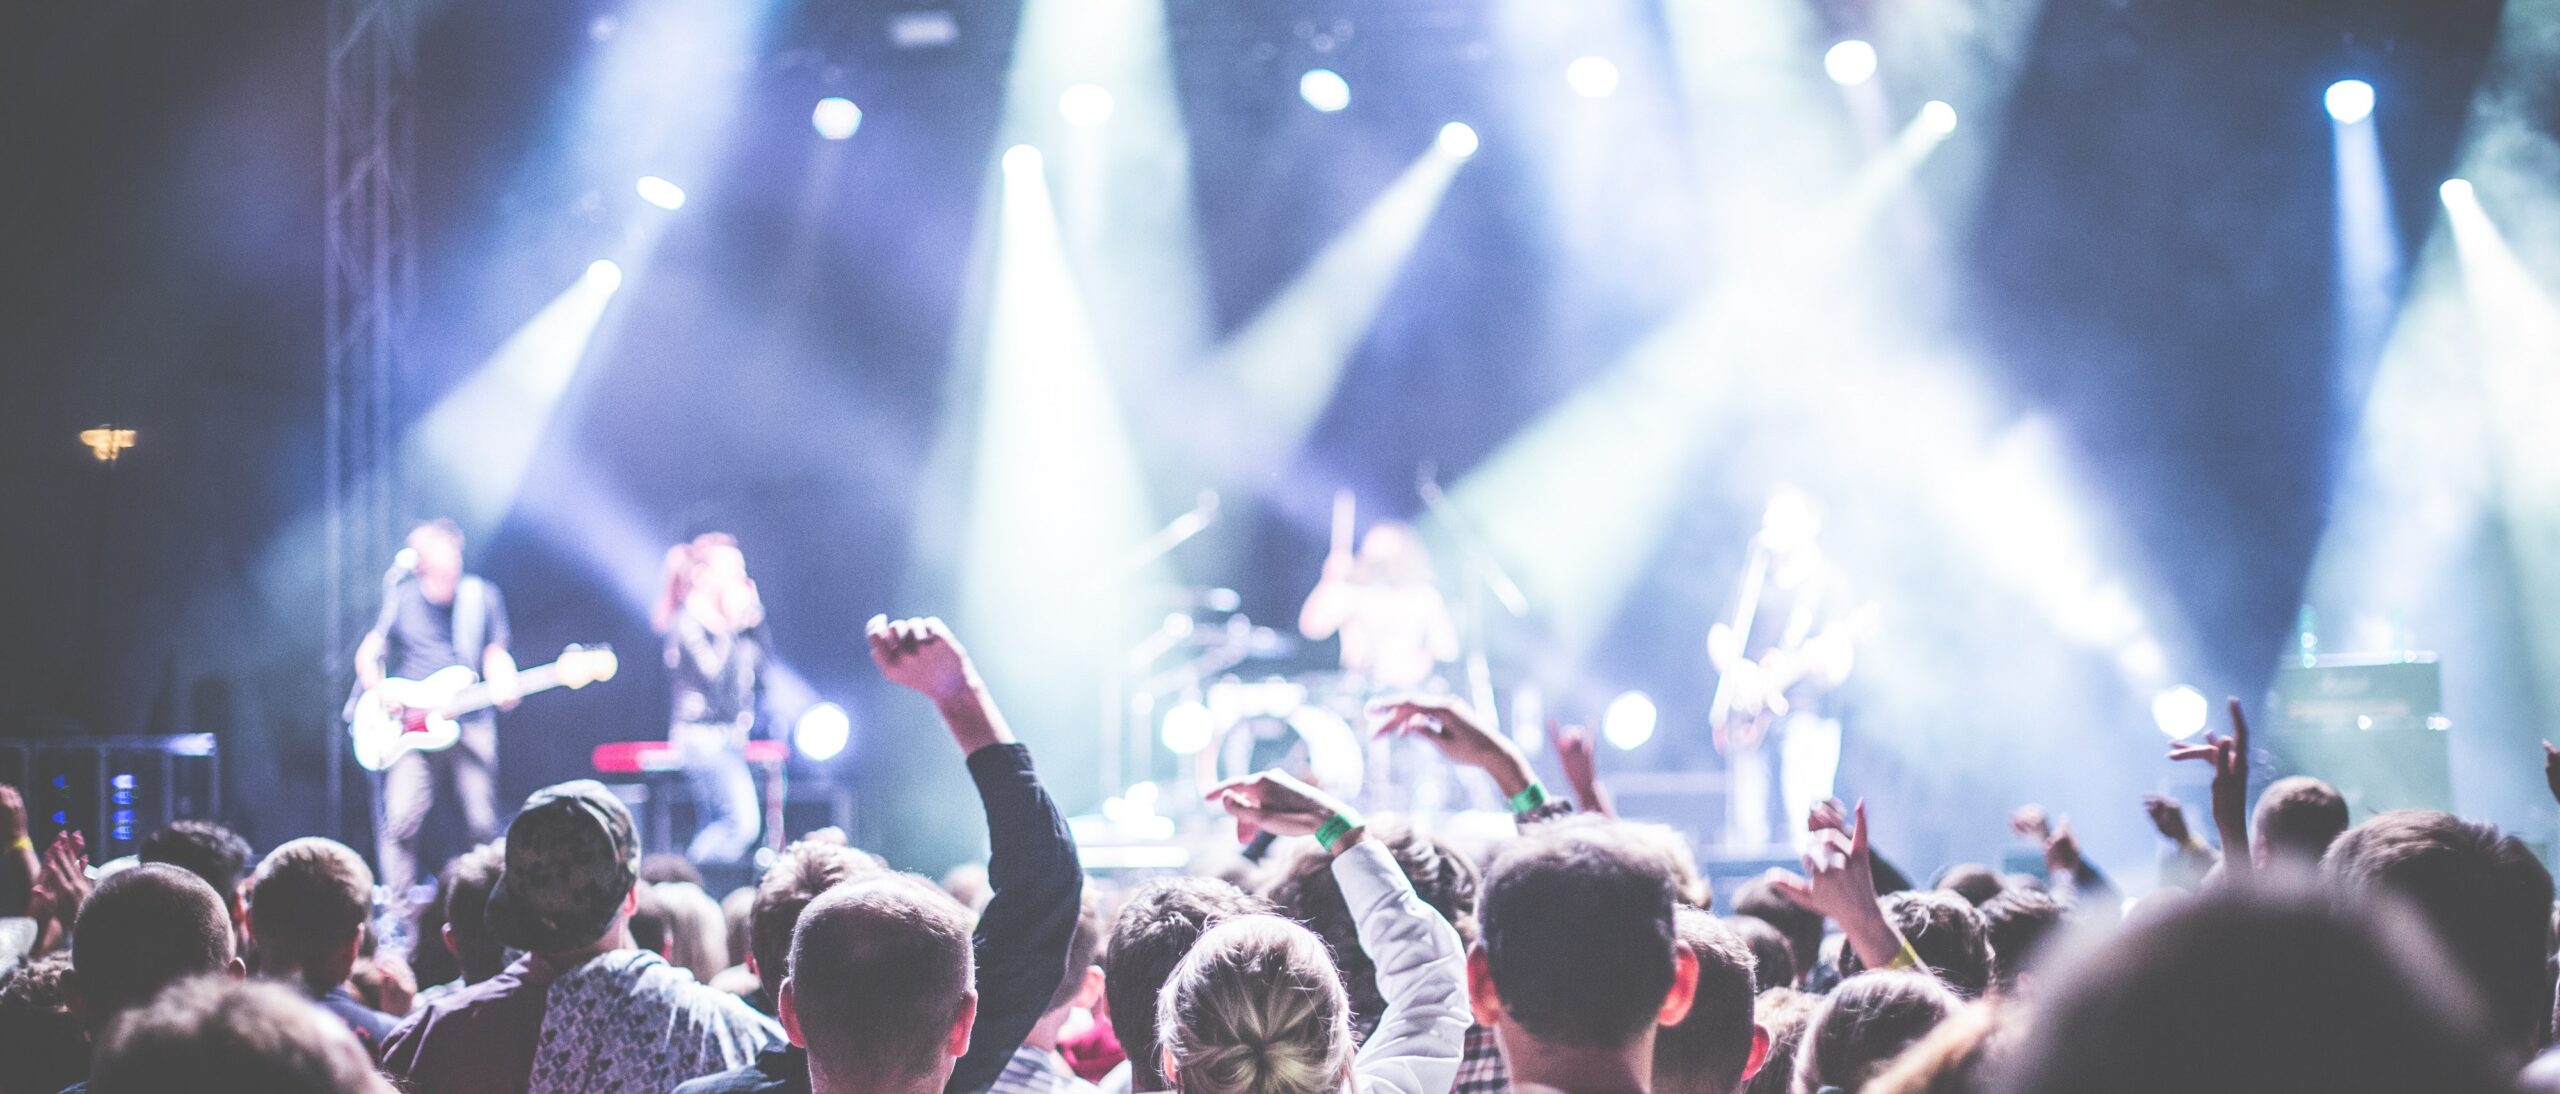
(2410, 952)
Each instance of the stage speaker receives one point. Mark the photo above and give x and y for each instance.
(2372, 727)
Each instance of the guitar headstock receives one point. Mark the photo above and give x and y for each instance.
(580, 666)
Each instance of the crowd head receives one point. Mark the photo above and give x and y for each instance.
(142, 930)
(251, 1036)
(2482, 891)
(1256, 1007)
(1717, 1046)
(1579, 945)
(879, 985)
(1948, 935)
(2257, 988)
(307, 909)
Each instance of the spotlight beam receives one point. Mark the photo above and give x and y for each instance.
(481, 437)
(1277, 374)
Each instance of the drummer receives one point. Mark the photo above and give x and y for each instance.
(1386, 605)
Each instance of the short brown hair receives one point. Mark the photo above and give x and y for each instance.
(309, 893)
(1866, 1022)
(141, 930)
(805, 869)
(1946, 932)
(2486, 896)
(1578, 934)
(2298, 818)
(1706, 1052)
(879, 970)
(217, 1032)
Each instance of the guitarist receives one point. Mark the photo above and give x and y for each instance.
(1788, 643)
(435, 616)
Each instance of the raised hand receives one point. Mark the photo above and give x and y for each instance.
(921, 655)
(1452, 728)
(1275, 802)
(1840, 884)
(2168, 818)
(2031, 824)
(2229, 758)
(2550, 768)
(61, 887)
(1581, 768)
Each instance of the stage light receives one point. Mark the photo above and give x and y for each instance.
(107, 442)
(1086, 105)
(822, 732)
(1939, 117)
(2458, 192)
(604, 275)
(2349, 101)
(2179, 712)
(1325, 90)
(1188, 725)
(1592, 77)
(1850, 62)
(661, 193)
(836, 118)
(1022, 162)
(1458, 139)
(1629, 721)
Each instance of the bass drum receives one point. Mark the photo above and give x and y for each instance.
(1259, 725)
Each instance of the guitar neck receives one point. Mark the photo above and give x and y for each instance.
(479, 697)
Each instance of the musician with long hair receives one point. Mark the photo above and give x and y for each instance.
(717, 653)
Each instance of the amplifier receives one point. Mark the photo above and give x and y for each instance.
(2374, 727)
(113, 790)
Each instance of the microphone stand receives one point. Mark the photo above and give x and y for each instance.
(1142, 554)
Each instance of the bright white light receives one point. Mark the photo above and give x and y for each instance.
(1629, 720)
(1458, 139)
(1324, 89)
(1850, 62)
(604, 275)
(1188, 726)
(1022, 161)
(1086, 105)
(2457, 192)
(836, 118)
(1592, 77)
(1938, 116)
(2179, 712)
(822, 731)
(661, 193)
(2350, 101)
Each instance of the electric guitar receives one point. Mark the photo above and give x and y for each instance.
(1753, 693)
(398, 716)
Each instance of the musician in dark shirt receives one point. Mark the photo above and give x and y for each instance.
(436, 617)
(717, 652)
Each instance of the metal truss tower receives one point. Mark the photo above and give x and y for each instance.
(370, 294)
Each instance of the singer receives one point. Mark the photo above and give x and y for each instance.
(717, 653)
(435, 616)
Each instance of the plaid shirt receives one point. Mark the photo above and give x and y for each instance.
(1481, 1070)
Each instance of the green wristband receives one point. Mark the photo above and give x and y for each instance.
(1335, 827)
(1530, 797)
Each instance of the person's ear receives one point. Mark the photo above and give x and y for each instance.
(1684, 986)
(237, 969)
(1759, 1056)
(455, 948)
(751, 965)
(1164, 1063)
(1481, 997)
(1088, 994)
(786, 1006)
(958, 1045)
(631, 900)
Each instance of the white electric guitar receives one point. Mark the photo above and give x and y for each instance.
(398, 717)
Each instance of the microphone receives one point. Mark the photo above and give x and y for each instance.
(402, 565)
